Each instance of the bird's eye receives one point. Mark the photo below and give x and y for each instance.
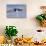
(14, 9)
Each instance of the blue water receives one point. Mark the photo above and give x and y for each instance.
(16, 14)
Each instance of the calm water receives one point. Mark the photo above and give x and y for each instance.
(16, 14)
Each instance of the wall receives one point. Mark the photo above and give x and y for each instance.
(25, 26)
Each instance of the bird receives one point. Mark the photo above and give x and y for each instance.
(17, 9)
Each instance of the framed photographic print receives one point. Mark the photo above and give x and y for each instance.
(16, 11)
